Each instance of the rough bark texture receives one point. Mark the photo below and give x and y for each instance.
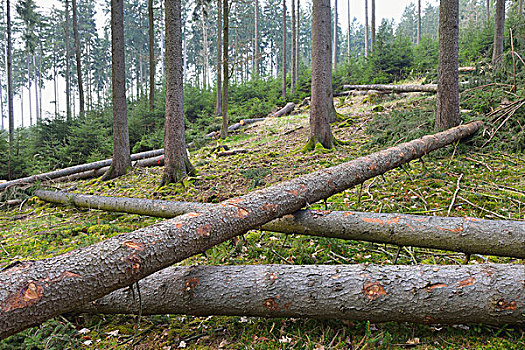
(334, 38)
(499, 32)
(290, 106)
(467, 235)
(349, 37)
(284, 49)
(75, 170)
(488, 11)
(256, 39)
(121, 150)
(320, 131)
(225, 67)
(77, 56)
(33, 291)
(176, 163)
(293, 75)
(11, 119)
(218, 107)
(151, 41)
(68, 56)
(395, 88)
(297, 41)
(418, 37)
(489, 293)
(366, 29)
(447, 102)
(373, 25)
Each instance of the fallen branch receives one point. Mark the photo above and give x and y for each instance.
(232, 152)
(236, 126)
(34, 291)
(290, 106)
(489, 294)
(395, 88)
(74, 170)
(466, 235)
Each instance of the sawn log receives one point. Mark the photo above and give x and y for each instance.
(435, 294)
(290, 106)
(34, 291)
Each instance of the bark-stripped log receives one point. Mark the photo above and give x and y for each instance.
(75, 169)
(34, 291)
(395, 88)
(236, 126)
(290, 106)
(467, 235)
(488, 293)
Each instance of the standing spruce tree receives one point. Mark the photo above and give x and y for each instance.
(447, 113)
(320, 131)
(293, 75)
(121, 152)
(225, 66)
(151, 47)
(68, 55)
(499, 32)
(284, 49)
(176, 163)
(418, 38)
(373, 24)
(367, 50)
(218, 107)
(256, 39)
(334, 37)
(78, 59)
(11, 119)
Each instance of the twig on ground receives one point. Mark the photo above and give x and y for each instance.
(455, 195)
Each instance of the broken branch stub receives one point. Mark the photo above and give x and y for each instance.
(33, 292)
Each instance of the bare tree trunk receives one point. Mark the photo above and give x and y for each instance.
(488, 293)
(349, 38)
(284, 49)
(11, 119)
(499, 32)
(121, 151)
(29, 83)
(320, 131)
(293, 74)
(447, 105)
(334, 37)
(151, 36)
(34, 291)
(218, 106)
(297, 46)
(68, 55)
(204, 18)
(256, 44)
(225, 70)
(466, 235)
(488, 11)
(520, 7)
(373, 24)
(177, 166)
(366, 29)
(418, 38)
(79, 63)
(37, 87)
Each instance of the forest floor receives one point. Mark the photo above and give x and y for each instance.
(492, 187)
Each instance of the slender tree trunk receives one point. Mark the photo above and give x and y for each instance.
(176, 163)
(2, 107)
(320, 131)
(77, 55)
(499, 32)
(293, 73)
(37, 88)
(520, 7)
(22, 107)
(151, 36)
(205, 48)
(334, 37)
(121, 151)
(34, 291)
(373, 24)
(297, 46)
(418, 38)
(218, 106)
(68, 55)
(447, 113)
(349, 38)
(256, 44)
(29, 84)
(225, 70)
(11, 119)
(366, 29)
(284, 50)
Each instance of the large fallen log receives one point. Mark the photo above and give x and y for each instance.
(395, 88)
(290, 106)
(466, 235)
(34, 291)
(489, 294)
(236, 126)
(75, 169)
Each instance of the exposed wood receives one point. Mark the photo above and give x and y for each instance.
(290, 106)
(395, 88)
(466, 69)
(35, 291)
(232, 152)
(236, 126)
(75, 169)
(467, 235)
(489, 293)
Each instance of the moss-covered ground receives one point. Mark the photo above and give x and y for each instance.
(492, 186)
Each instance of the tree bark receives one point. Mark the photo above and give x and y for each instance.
(321, 100)
(488, 11)
(75, 169)
(447, 101)
(225, 68)
(466, 235)
(499, 32)
(430, 294)
(204, 19)
(349, 38)
(177, 166)
(334, 38)
(395, 88)
(77, 55)
(293, 75)
(256, 39)
(284, 50)
(297, 46)
(151, 37)
(290, 106)
(218, 107)
(34, 291)
(121, 150)
(418, 38)
(11, 119)
(366, 29)
(373, 25)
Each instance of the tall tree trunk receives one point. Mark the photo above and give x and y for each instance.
(320, 131)
(488, 11)
(176, 163)
(11, 119)
(297, 41)
(225, 66)
(218, 106)
(34, 291)
(499, 32)
(151, 37)
(77, 55)
(366, 29)
(293, 74)
(121, 151)
(349, 38)
(418, 38)
(29, 84)
(520, 7)
(68, 56)
(284, 50)
(373, 24)
(205, 48)
(334, 37)
(37, 89)
(2, 108)
(256, 44)
(447, 113)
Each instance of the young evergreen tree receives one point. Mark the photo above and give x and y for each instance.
(447, 113)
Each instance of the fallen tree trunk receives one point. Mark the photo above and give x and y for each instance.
(74, 170)
(466, 235)
(34, 291)
(489, 294)
(232, 152)
(395, 88)
(290, 106)
(236, 126)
